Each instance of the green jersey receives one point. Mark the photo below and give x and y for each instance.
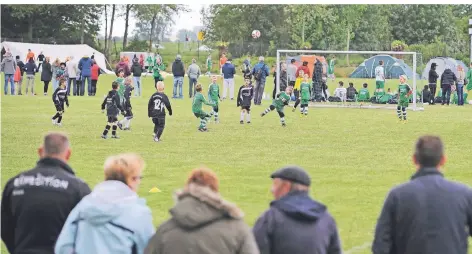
(198, 101)
(403, 90)
(469, 80)
(281, 101)
(209, 63)
(364, 95)
(305, 89)
(121, 89)
(149, 60)
(214, 93)
(331, 66)
(157, 71)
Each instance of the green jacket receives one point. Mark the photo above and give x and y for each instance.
(203, 222)
(469, 80)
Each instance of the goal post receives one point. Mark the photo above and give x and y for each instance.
(413, 55)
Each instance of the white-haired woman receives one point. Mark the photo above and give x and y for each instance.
(111, 219)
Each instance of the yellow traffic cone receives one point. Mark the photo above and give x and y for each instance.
(154, 190)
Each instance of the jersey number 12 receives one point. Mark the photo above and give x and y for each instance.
(158, 105)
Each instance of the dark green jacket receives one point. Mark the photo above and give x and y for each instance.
(202, 222)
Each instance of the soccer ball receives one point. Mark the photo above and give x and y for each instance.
(256, 34)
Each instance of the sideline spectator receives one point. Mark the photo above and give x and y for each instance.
(469, 78)
(85, 66)
(351, 92)
(432, 80)
(364, 94)
(426, 95)
(178, 70)
(137, 70)
(246, 68)
(8, 67)
(56, 65)
(460, 85)
(295, 223)
(341, 92)
(30, 69)
(223, 60)
(318, 85)
(78, 84)
(29, 55)
(203, 222)
(448, 78)
(141, 61)
(46, 75)
(282, 79)
(36, 203)
(72, 74)
(292, 73)
(228, 71)
(304, 68)
(20, 70)
(95, 74)
(41, 59)
(380, 77)
(193, 73)
(112, 219)
(428, 214)
(260, 72)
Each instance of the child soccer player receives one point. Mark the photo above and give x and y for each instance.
(78, 83)
(214, 97)
(364, 94)
(113, 105)
(127, 105)
(121, 83)
(245, 94)
(198, 101)
(404, 91)
(279, 103)
(157, 112)
(305, 95)
(59, 97)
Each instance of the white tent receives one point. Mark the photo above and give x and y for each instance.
(56, 51)
(443, 63)
(204, 48)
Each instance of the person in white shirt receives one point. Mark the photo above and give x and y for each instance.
(379, 77)
(341, 92)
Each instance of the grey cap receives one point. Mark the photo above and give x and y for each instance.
(293, 174)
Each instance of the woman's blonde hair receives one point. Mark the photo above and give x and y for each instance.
(57, 61)
(204, 177)
(122, 166)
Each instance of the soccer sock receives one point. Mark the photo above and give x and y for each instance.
(216, 116)
(282, 120)
(306, 111)
(302, 109)
(266, 111)
(248, 117)
(59, 119)
(55, 116)
(113, 130)
(107, 128)
(159, 132)
(156, 129)
(404, 113)
(203, 123)
(128, 122)
(399, 112)
(242, 116)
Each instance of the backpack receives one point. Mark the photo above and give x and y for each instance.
(259, 73)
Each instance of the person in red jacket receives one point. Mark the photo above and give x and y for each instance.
(304, 68)
(95, 73)
(141, 60)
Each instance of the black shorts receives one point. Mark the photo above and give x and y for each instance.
(159, 121)
(247, 108)
(112, 119)
(59, 107)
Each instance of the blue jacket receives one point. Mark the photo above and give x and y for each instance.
(257, 67)
(85, 65)
(228, 70)
(31, 68)
(297, 224)
(110, 220)
(428, 214)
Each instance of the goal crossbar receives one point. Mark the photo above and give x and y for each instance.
(413, 54)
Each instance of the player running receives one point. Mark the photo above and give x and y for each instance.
(157, 112)
(281, 100)
(404, 92)
(214, 97)
(198, 101)
(305, 95)
(59, 97)
(127, 106)
(113, 105)
(245, 95)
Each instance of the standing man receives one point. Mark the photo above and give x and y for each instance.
(223, 60)
(295, 223)
(448, 78)
(228, 71)
(72, 73)
(29, 55)
(260, 72)
(379, 77)
(8, 67)
(432, 80)
(292, 73)
(40, 59)
(193, 73)
(178, 70)
(36, 203)
(85, 67)
(428, 214)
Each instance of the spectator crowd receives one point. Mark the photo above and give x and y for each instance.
(48, 209)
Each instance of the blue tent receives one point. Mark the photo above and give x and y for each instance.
(393, 68)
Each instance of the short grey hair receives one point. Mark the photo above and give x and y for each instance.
(55, 143)
(261, 58)
(299, 187)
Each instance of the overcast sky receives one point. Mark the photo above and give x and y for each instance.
(186, 20)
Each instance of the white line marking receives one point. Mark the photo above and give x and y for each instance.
(358, 248)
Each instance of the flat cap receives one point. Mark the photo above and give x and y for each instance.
(293, 174)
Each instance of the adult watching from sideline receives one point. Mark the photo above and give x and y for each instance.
(36, 203)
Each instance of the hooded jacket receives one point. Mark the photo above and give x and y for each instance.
(46, 73)
(318, 72)
(194, 71)
(448, 78)
(228, 70)
(124, 66)
(8, 65)
(136, 68)
(85, 66)
(31, 68)
(112, 219)
(178, 69)
(95, 71)
(296, 223)
(202, 222)
(433, 75)
(303, 68)
(71, 68)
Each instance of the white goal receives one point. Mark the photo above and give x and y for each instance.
(408, 63)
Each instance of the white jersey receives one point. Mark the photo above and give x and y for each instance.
(379, 73)
(341, 93)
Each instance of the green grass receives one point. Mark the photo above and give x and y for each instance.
(354, 156)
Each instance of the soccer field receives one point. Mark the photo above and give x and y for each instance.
(354, 156)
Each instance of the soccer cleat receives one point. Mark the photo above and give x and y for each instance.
(241, 122)
(306, 115)
(127, 129)
(115, 137)
(405, 121)
(203, 129)
(301, 115)
(248, 121)
(262, 114)
(120, 125)
(156, 139)
(104, 136)
(59, 124)
(400, 120)
(284, 125)
(54, 122)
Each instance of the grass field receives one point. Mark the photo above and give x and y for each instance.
(354, 156)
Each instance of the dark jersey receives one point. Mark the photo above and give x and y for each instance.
(157, 104)
(41, 57)
(127, 96)
(112, 103)
(60, 96)
(245, 95)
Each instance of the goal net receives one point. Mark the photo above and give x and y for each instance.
(375, 72)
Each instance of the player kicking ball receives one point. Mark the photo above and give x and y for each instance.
(404, 92)
(198, 101)
(245, 95)
(124, 124)
(305, 95)
(279, 103)
(156, 110)
(113, 104)
(59, 97)
(214, 97)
